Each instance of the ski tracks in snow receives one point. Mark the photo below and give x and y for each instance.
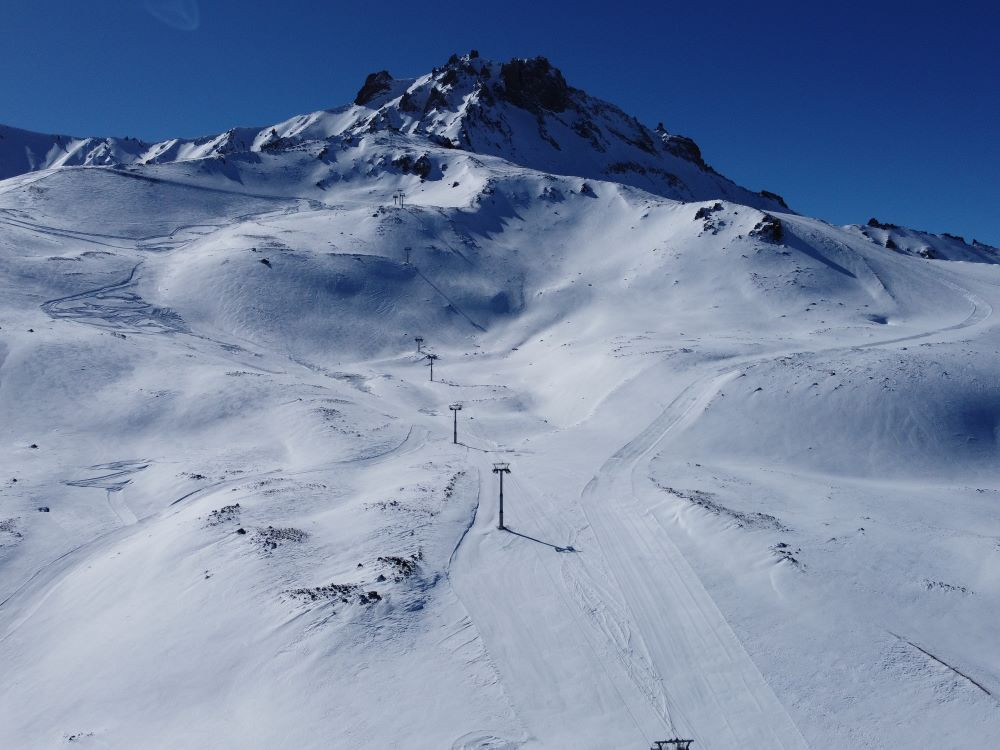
(631, 629)
(713, 690)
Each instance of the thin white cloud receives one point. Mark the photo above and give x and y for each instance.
(178, 14)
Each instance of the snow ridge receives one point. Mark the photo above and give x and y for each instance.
(522, 111)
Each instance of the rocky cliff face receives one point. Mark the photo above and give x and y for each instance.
(522, 110)
(525, 111)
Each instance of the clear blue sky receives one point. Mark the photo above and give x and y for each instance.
(848, 109)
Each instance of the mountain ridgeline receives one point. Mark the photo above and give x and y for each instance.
(522, 111)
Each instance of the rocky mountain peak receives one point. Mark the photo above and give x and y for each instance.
(534, 85)
(375, 84)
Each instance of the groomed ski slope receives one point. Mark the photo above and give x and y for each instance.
(752, 491)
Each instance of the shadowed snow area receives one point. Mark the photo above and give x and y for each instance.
(753, 456)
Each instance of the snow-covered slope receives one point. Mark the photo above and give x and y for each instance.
(753, 456)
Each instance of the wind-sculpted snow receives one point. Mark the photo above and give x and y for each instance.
(752, 491)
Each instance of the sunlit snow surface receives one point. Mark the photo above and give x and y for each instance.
(753, 492)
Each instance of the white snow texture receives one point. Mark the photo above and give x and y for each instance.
(753, 490)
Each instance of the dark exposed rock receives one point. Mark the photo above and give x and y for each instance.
(768, 229)
(406, 103)
(683, 147)
(224, 514)
(640, 140)
(709, 502)
(374, 85)
(422, 166)
(873, 222)
(436, 100)
(443, 141)
(955, 237)
(339, 591)
(706, 211)
(274, 142)
(625, 167)
(586, 128)
(710, 223)
(272, 537)
(402, 567)
(890, 244)
(927, 253)
(402, 163)
(534, 85)
(774, 197)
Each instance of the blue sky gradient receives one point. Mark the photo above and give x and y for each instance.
(848, 109)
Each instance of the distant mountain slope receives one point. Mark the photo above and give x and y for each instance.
(925, 244)
(522, 111)
(24, 151)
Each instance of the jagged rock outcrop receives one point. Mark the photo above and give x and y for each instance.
(522, 110)
(534, 85)
(375, 84)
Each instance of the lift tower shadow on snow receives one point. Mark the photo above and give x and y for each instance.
(501, 468)
(556, 547)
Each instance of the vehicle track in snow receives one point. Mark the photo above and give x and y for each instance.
(117, 477)
(661, 625)
(555, 656)
(718, 694)
(115, 307)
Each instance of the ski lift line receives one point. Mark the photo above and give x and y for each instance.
(943, 663)
(453, 306)
(430, 362)
(455, 409)
(588, 637)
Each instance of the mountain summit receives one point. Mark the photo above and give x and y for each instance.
(522, 111)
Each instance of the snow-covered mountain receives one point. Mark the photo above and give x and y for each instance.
(926, 245)
(753, 456)
(522, 111)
